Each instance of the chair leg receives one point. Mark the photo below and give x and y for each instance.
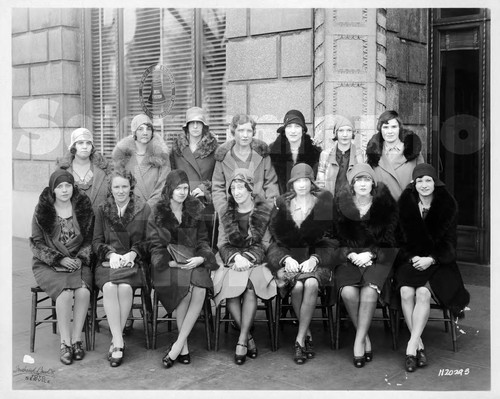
(217, 327)
(387, 324)
(277, 322)
(145, 316)
(270, 322)
(206, 311)
(54, 317)
(337, 324)
(155, 319)
(445, 316)
(324, 312)
(331, 326)
(226, 316)
(86, 328)
(34, 300)
(93, 305)
(453, 331)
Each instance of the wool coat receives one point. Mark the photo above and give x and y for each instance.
(199, 165)
(373, 232)
(264, 175)
(395, 175)
(282, 160)
(150, 175)
(434, 236)
(115, 234)
(313, 237)
(101, 170)
(172, 283)
(47, 251)
(252, 245)
(328, 167)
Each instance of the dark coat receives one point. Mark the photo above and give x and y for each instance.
(199, 166)
(312, 237)
(101, 171)
(282, 160)
(435, 236)
(232, 242)
(113, 234)
(172, 284)
(45, 253)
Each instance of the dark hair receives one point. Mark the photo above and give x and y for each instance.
(386, 117)
(241, 119)
(124, 174)
(204, 132)
(52, 196)
(152, 131)
(374, 187)
(290, 194)
(72, 150)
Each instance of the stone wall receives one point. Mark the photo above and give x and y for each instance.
(46, 101)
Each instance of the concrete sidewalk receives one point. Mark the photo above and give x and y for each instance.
(330, 370)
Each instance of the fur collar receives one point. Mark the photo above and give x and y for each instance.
(412, 146)
(98, 161)
(281, 154)
(257, 145)
(442, 214)
(110, 211)
(259, 219)
(192, 212)
(156, 152)
(207, 145)
(46, 214)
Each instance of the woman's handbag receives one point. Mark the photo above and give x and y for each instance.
(180, 253)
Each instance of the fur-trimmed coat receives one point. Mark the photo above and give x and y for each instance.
(199, 165)
(434, 236)
(396, 175)
(253, 246)
(101, 170)
(282, 160)
(150, 175)
(313, 237)
(45, 233)
(264, 175)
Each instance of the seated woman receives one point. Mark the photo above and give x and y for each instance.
(428, 215)
(177, 223)
(367, 219)
(61, 242)
(243, 240)
(303, 249)
(119, 243)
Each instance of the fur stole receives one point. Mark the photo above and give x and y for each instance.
(110, 212)
(412, 146)
(207, 145)
(441, 217)
(46, 214)
(259, 220)
(192, 213)
(157, 154)
(98, 161)
(281, 155)
(316, 225)
(376, 227)
(257, 145)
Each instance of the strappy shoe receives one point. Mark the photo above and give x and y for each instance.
(299, 355)
(116, 361)
(309, 349)
(167, 361)
(252, 352)
(78, 352)
(421, 358)
(66, 354)
(240, 359)
(184, 359)
(368, 356)
(359, 361)
(410, 363)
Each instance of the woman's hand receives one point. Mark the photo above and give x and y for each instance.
(70, 263)
(362, 259)
(197, 192)
(241, 263)
(193, 262)
(291, 265)
(422, 263)
(128, 259)
(308, 265)
(115, 260)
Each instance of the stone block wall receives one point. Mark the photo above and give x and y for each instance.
(269, 65)
(46, 100)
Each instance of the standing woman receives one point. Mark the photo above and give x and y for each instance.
(337, 160)
(88, 167)
(367, 219)
(428, 215)
(291, 147)
(177, 221)
(61, 243)
(243, 241)
(119, 243)
(393, 152)
(145, 155)
(303, 250)
(246, 152)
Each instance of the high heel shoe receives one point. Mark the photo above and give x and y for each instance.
(184, 359)
(368, 356)
(78, 352)
(240, 359)
(116, 361)
(66, 354)
(309, 349)
(421, 358)
(299, 356)
(167, 361)
(253, 352)
(359, 361)
(410, 363)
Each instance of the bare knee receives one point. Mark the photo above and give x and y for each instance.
(407, 293)
(298, 287)
(109, 288)
(423, 295)
(311, 285)
(350, 293)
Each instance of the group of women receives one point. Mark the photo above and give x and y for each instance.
(294, 221)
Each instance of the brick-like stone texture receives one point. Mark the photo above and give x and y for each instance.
(350, 54)
(269, 20)
(349, 101)
(414, 24)
(397, 58)
(21, 144)
(349, 16)
(392, 19)
(392, 94)
(66, 111)
(19, 20)
(29, 47)
(296, 54)
(46, 144)
(276, 98)
(236, 22)
(55, 78)
(236, 99)
(30, 176)
(412, 103)
(33, 112)
(20, 81)
(71, 17)
(44, 18)
(418, 66)
(252, 59)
